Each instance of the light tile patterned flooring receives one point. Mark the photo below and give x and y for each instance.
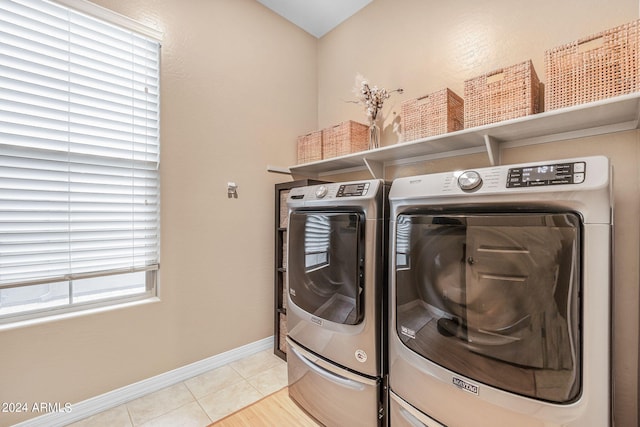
(201, 400)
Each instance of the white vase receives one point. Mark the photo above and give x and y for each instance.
(374, 136)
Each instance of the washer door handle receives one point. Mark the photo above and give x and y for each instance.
(415, 422)
(334, 378)
(411, 419)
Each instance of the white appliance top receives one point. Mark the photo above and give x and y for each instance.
(576, 174)
(582, 184)
(334, 193)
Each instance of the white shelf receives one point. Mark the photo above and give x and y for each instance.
(595, 118)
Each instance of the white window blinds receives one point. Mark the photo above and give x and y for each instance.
(79, 146)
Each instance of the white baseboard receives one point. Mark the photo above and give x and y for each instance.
(125, 394)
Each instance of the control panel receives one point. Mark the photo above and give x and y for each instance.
(571, 175)
(353, 190)
(331, 191)
(551, 174)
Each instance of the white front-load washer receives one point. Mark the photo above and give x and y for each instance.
(336, 301)
(500, 296)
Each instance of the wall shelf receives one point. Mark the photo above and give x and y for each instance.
(596, 118)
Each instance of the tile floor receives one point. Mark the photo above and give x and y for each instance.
(201, 400)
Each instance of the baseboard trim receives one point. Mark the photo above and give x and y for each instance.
(127, 393)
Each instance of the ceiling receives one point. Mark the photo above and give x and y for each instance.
(317, 17)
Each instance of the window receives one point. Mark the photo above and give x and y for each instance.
(79, 159)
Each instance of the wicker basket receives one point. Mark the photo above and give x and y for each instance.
(284, 209)
(284, 250)
(285, 291)
(345, 138)
(592, 68)
(502, 94)
(310, 147)
(282, 338)
(434, 114)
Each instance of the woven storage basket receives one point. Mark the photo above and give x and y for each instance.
(502, 94)
(284, 250)
(282, 338)
(285, 291)
(284, 209)
(437, 113)
(310, 147)
(345, 138)
(592, 68)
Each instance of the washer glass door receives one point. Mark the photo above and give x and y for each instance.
(493, 297)
(326, 264)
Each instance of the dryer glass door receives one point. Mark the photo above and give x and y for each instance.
(326, 264)
(493, 297)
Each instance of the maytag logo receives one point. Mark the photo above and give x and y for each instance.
(316, 320)
(466, 386)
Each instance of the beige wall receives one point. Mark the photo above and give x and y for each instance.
(238, 85)
(426, 45)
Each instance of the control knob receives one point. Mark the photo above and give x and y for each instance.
(469, 180)
(321, 191)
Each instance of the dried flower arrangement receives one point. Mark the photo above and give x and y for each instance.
(371, 97)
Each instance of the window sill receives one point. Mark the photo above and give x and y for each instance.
(41, 320)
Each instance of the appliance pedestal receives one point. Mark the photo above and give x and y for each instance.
(332, 395)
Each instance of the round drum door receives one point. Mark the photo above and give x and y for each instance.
(326, 264)
(493, 297)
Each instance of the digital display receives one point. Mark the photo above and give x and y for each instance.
(349, 189)
(554, 174)
(540, 173)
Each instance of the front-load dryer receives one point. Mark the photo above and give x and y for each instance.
(500, 296)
